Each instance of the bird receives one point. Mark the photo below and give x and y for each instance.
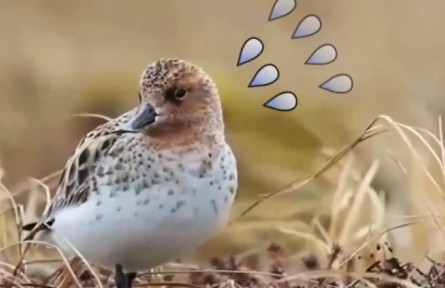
(151, 184)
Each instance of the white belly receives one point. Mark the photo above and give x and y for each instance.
(144, 210)
(140, 231)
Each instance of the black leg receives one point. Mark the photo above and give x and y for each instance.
(123, 280)
(130, 278)
(119, 277)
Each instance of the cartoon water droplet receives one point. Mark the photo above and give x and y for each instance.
(251, 49)
(324, 54)
(285, 101)
(340, 83)
(310, 25)
(266, 75)
(282, 8)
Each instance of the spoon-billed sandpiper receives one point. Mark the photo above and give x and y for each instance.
(150, 184)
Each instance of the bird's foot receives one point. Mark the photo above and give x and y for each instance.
(123, 280)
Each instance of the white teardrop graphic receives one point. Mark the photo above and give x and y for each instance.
(340, 83)
(310, 25)
(266, 75)
(285, 101)
(251, 49)
(324, 54)
(282, 8)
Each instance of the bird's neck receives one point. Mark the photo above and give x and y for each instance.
(199, 132)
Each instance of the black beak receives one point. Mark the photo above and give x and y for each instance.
(146, 116)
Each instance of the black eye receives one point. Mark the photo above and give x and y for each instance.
(180, 93)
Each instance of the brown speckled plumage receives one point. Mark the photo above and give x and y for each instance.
(167, 186)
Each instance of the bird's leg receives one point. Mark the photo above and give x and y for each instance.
(123, 280)
(130, 278)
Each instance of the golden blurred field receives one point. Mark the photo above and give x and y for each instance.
(61, 58)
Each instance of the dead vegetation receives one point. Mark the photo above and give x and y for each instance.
(348, 242)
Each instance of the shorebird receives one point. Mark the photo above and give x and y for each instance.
(150, 184)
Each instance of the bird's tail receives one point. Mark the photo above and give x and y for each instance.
(34, 228)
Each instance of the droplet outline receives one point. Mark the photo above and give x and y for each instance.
(256, 73)
(326, 63)
(337, 92)
(241, 50)
(273, 8)
(301, 21)
(320, 23)
(282, 110)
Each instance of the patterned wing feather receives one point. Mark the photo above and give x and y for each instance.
(76, 179)
(75, 182)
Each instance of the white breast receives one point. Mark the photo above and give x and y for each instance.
(180, 209)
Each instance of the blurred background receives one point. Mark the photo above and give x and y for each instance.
(60, 58)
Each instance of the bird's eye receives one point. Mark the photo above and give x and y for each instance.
(180, 93)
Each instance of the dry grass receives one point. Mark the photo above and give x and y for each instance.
(347, 243)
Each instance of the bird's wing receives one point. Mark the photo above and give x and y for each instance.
(75, 181)
(74, 185)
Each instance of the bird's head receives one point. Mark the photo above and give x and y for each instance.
(176, 97)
